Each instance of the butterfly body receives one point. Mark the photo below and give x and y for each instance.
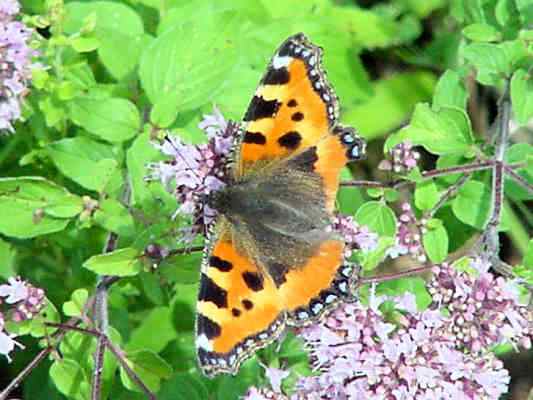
(272, 260)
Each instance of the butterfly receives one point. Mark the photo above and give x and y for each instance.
(272, 260)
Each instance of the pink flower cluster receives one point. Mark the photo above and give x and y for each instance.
(359, 352)
(197, 170)
(403, 158)
(484, 310)
(356, 237)
(23, 302)
(15, 63)
(408, 238)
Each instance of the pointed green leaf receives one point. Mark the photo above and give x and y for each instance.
(122, 262)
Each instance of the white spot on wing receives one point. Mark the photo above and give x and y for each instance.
(203, 342)
(280, 62)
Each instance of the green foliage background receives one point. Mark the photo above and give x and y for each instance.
(118, 72)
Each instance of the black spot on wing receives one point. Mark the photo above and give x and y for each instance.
(297, 116)
(247, 304)
(291, 140)
(254, 138)
(235, 312)
(208, 327)
(292, 103)
(210, 291)
(220, 264)
(276, 76)
(253, 280)
(261, 108)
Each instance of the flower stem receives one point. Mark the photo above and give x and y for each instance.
(25, 372)
(396, 275)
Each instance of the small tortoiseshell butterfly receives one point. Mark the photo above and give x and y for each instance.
(272, 260)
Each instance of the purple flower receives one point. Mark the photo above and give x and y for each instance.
(15, 291)
(8, 8)
(24, 299)
(197, 170)
(408, 239)
(7, 344)
(483, 312)
(254, 393)
(356, 237)
(276, 377)
(15, 64)
(402, 158)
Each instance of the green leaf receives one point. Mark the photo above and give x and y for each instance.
(435, 241)
(519, 152)
(373, 258)
(119, 43)
(80, 75)
(528, 257)
(446, 131)
(482, 33)
(495, 61)
(188, 271)
(349, 198)
(7, 259)
(141, 152)
(371, 29)
(84, 44)
(184, 386)
(150, 368)
(450, 92)
(378, 217)
(74, 307)
(472, 205)
(508, 17)
(112, 119)
(522, 96)
(143, 336)
(33, 206)
(119, 30)
(426, 195)
(368, 117)
(414, 285)
(88, 163)
(70, 379)
(114, 217)
(122, 262)
(176, 75)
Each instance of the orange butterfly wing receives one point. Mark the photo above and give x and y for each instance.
(293, 115)
(293, 107)
(239, 309)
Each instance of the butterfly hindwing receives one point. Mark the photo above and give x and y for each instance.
(293, 107)
(238, 308)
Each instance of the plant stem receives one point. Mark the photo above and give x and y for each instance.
(426, 175)
(396, 275)
(25, 372)
(490, 240)
(450, 192)
(434, 173)
(119, 354)
(518, 179)
(101, 316)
